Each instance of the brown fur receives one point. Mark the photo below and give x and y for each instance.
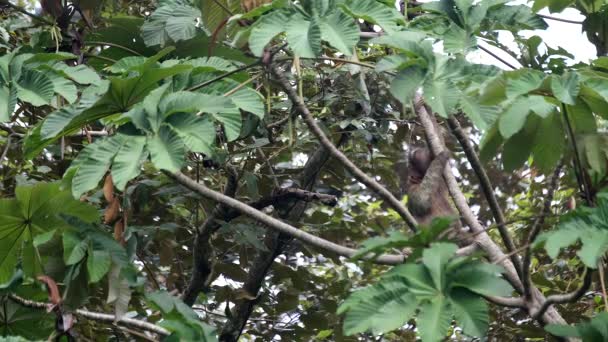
(427, 190)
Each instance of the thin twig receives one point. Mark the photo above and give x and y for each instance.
(565, 298)
(337, 154)
(241, 85)
(544, 16)
(270, 168)
(486, 50)
(6, 148)
(118, 46)
(579, 171)
(536, 226)
(600, 268)
(222, 76)
(107, 59)
(97, 316)
(31, 15)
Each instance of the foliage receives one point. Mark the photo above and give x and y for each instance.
(593, 330)
(435, 291)
(95, 117)
(587, 225)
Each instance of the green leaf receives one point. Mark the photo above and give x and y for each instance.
(231, 120)
(197, 133)
(374, 12)
(481, 115)
(35, 87)
(166, 150)
(340, 31)
(566, 87)
(98, 265)
(56, 121)
(31, 213)
(81, 73)
(74, 248)
(549, 143)
(304, 36)
(458, 40)
(63, 87)
(514, 118)
(126, 64)
(266, 28)
(434, 320)
(95, 159)
(127, 162)
(8, 100)
(180, 318)
(435, 258)
(471, 312)
(562, 330)
(249, 100)
(417, 278)
(483, 279)
(170, 23)
(523, 81)
(405, 84)
(385, 311)
(442, 96)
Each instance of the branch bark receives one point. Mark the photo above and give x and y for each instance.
(338, 155)
(487, 188)
(96, 316)
(482, 239)
(276, 224)
(536, 226)
(565, 298)
(203, 252)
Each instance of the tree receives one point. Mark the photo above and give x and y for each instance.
(223, 170)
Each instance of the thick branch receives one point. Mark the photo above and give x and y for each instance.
(203, 252)
(481, 237)
(275, 243)
(486, 186)
(509, 302)
(565, 298)
(97, 316)
(276, 224)
(536, 226)
(349, 165)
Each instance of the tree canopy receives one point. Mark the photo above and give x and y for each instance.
(195, 170)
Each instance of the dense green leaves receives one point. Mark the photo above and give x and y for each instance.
(34, 211)
(441, 287)
(589, 226)
(180, 319)
(592, 330)
(170, 23)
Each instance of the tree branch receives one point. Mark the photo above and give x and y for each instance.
(203, 252)
(509, 302)
(23, 11)
(349, 165)
(482, 239)
(459, 200)
(567, 297)
(502, 60)
(276, 224)
(486, 186)
(96, 316)
(536, 226)
(275, 243)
